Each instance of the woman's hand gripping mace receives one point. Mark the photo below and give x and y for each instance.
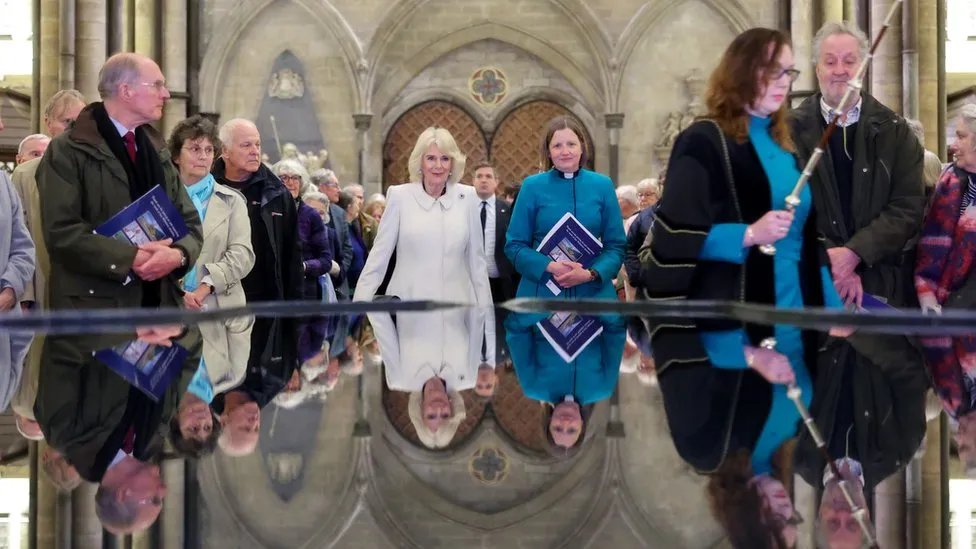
(854, 86)
(860, 513)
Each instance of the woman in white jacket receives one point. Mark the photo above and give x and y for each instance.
(432, 233)
(431, 230)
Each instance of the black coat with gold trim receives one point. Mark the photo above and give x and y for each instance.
(711, 411)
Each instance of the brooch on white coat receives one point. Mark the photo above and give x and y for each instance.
(460, 196)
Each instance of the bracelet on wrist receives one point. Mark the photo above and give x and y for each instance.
(750, 357)
(750, 236)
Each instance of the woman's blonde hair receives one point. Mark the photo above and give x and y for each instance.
(445, 434)
(445, 142)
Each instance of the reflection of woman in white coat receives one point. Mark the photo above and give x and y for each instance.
(432, 225)
(433, 356)
(214, 281)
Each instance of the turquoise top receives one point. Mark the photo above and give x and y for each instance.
(200, 386)
(542, 201)
(724, 243)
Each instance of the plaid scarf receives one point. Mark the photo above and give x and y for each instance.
(943, 264)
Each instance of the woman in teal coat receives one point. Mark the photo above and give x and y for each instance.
(544, 199)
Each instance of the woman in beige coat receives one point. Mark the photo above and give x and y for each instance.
(214, 281)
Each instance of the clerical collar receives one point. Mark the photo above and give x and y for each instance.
(566, 175)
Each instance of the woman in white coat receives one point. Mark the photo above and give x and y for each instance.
(214, 281)
(431, 226)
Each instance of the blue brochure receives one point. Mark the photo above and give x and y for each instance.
(872, 303)
(570, 333)
(152, 217)
(149, 368)
(568, 240)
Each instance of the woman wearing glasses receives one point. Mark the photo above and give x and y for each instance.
(724, 392)
(214, 281)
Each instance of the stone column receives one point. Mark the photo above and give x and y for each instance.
(932, 490)
(50, 48)
(47, 505)
(805, 501)
(833, 10)
(802, 30)
(174, 63)
(90, 45)
(850, 10)
(928, 73)
(614, 121)
(115, 27)
(363, 121)
(87, 532)
(886, 72)
(889, 512)
(66, 52)
(144, 40)
(171, 518)
(909, 58)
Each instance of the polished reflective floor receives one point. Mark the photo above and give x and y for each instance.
(534, 424)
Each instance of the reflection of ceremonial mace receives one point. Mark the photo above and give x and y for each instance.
(853, 86)
(274, 128)
(860, 514)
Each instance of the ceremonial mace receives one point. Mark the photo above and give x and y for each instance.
(854, 85)
(860, 513)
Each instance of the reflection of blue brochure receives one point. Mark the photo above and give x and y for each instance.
(570, 333)
(149, 368)
(152, 217)
(568, 240)
(872, 303)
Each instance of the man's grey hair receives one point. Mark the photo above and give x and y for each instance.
(629, 194)
(834, 28)
(226, 133)
(918, 129)
(60, 101)
(352, 187)
(116, 516)
(121, 68)
(323, 175)
(820, 540)
(28, 139)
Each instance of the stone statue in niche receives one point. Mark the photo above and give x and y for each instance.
(289, 151)
(284, 468)
(679, 120)
(670, 130)
(286, 84)
(315, 161)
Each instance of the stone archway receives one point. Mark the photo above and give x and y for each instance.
(403, 135)
(516, 146)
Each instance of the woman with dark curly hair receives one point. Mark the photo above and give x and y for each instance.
(724, 383)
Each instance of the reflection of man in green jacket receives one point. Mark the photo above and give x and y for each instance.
(106, 160)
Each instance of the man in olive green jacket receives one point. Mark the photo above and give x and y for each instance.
(106, 160)
(85, 178)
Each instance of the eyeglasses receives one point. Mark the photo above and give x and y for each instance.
(159, 85)
(776, 74)
(794, 520)
(289, 177)
(198, 150)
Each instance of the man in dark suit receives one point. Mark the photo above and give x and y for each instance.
(328, 184)
(495, 215)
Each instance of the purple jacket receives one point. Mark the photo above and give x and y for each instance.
(316, 248)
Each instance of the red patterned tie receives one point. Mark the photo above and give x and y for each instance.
(130, 440)
(130, 145)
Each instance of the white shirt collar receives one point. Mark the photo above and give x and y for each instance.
(490, 200)
(853, 115)
(119, 127)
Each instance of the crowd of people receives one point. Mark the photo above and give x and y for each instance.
(882, 221)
